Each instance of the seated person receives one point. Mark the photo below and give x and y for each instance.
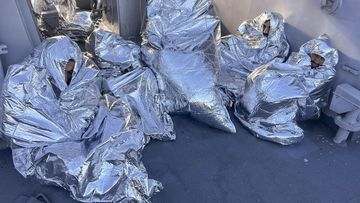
(260, 41)
(318, 60)
(64, 132)
(278, 95)
(125, 76)
(49, 87)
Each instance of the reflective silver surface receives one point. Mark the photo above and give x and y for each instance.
(39, 102)
(181, 42)
(59, 17)
(77, 27)
(317, 80)
(141, 88)
(66, 8)
(278, 95)
(124, 75)
(112, 53)
(249, 49)
(70, 135)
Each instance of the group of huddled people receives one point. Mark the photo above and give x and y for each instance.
(270, 91)
(80, 121)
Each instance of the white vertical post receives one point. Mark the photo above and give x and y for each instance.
(3, 50)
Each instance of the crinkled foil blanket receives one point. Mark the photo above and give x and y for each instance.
(243, 53)
(72, 135)
(87, 136)
(60, 17)
(278, 95)
(181, 43)
(124, 74)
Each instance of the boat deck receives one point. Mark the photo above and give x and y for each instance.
(207, 165)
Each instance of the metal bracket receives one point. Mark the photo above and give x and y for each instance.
(350, 70)
(331, 6)
(3, 49)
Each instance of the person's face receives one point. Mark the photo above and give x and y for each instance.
(266, 28)
(316, 61)
(69, 69)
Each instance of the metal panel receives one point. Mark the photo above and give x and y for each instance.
(3, 50)
(18, 30)
(125, 17)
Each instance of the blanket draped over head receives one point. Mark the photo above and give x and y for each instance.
(278, 95)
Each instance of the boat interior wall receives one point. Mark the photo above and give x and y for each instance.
(17, 30)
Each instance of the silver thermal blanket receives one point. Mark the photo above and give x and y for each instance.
(181, 42)
(278, 95)
(60, 17)
(249, 49)
(124, 74)
(67, 134)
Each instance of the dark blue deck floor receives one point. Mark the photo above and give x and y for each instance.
(207, 165)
